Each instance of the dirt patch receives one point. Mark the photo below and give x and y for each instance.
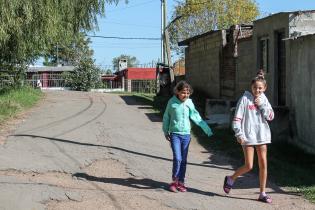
(105, 184)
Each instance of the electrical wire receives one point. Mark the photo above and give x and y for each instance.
(131, 38)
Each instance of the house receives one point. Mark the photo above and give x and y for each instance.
(49, 76)
(132, 79)
(221, 64)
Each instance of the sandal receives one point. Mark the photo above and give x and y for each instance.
(265, 199)
(227, 186)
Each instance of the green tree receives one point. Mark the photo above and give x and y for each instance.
(131, 61)
(28, 28)
(84, 77)
(195, 17)
(69, 53)
(109, 72)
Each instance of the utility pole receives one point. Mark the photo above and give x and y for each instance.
(164, 28)
(162, 31)
(166, 54)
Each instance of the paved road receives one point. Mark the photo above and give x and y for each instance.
(103, 151)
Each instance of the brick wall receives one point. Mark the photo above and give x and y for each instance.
(202, 60)
(244, 65)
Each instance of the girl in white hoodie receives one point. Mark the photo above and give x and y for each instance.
(252, 131)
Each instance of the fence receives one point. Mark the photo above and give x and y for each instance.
(140, 86)
(56, 81)
(47, 80)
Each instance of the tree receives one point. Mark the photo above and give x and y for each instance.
(109, 72)
(195, 17)
(131, 61)
(84, 77)
(69, 53)
(28, 28)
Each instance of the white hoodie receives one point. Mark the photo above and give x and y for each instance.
(250, 122)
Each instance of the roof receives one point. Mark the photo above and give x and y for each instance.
(109, 77)
(187, 41)
(50, 69)
(288, 12)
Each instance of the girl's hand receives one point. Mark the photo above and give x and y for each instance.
(257, 101)
(167, 137)
(239, 140)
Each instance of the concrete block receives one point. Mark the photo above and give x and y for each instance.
(217, 112)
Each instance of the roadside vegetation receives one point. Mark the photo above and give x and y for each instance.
(288, 166)
(15, 100)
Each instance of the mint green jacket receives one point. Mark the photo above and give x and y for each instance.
(176, 117)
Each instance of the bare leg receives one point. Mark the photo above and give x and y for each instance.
(262, 161)
(249, 161)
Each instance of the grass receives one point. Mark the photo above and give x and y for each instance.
(288, 166)
(13, 101)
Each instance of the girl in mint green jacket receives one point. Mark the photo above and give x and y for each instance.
(176, 127)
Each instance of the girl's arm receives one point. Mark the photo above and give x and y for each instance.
(266, 110)
(237, 120)
(195, 117)
(166, 119)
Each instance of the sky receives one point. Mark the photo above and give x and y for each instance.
(142, 19)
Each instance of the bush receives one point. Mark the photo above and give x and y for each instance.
(85, 76)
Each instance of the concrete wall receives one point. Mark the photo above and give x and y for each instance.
(202, 61)
(266, 27)
(244, 65)
(301, 91)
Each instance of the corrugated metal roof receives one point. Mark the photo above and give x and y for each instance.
(50, 69)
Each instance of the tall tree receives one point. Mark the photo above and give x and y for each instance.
(28, 27)
(69, 53)
(131, 61)
(195, 17)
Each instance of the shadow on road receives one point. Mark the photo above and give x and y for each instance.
(147, 184)
(112, 147)
(146, 104)
(132, 100)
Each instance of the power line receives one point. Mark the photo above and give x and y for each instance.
(131, 38)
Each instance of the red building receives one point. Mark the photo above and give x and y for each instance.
(132, 79)
(138, 73)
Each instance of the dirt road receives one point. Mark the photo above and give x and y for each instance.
(103, 151)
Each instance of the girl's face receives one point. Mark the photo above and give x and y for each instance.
(258, 88)
(183, 94)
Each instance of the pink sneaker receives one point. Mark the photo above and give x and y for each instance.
(181, 187)
(173, 187)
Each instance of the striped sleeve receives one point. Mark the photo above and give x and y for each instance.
(237, 120)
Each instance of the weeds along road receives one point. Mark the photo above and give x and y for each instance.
(82, 150)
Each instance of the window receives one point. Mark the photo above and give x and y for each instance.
(263, 53)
